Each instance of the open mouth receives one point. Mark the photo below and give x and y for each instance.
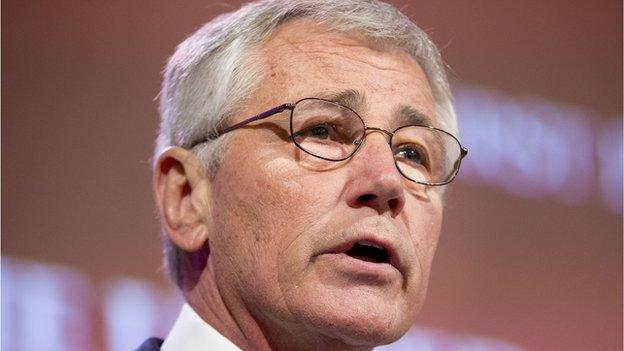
(369, 252)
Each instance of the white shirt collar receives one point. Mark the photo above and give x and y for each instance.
(191, 333)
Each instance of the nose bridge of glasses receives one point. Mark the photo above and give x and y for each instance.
(369, 130)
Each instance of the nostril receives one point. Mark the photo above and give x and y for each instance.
(366, 198)
(393, 204)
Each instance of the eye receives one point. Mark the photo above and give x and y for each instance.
(411, 154)
(322, 131)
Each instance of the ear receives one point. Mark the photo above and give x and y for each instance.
(182, 193)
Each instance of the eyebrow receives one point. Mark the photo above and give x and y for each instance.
(350, 98)
(409, 115)
(356, 100)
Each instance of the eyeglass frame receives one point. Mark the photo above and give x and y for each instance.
(291, 106)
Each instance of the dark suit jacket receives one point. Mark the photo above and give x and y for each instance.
(151, 344)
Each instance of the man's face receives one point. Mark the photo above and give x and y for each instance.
(284, 222)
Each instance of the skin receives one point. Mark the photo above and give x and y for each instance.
(272, 213)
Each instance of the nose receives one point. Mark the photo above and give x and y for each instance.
(375, 181)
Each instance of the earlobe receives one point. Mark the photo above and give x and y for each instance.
(182, 194)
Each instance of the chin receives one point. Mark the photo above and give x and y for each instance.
(369, 332)
(360, 318)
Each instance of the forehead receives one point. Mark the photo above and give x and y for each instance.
(304, 59)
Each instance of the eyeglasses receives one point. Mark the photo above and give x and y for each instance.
(330, 131)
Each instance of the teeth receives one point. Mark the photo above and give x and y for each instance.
(368, 243)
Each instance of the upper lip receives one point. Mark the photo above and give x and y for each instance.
(390, 246)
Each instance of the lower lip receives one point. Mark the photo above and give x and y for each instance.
(353, 267)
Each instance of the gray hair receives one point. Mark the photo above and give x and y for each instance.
(214, 70)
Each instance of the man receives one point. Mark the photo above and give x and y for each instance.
(300, 170)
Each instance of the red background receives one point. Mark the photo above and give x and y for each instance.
(79, 79)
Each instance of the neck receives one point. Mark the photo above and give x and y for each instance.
(205, 298)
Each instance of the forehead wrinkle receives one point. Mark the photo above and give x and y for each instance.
(341, 44)
(298, 33)
(378, 60)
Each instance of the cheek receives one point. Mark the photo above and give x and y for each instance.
(264, 219)
(427, 225)
(265, 213)
(433, 236)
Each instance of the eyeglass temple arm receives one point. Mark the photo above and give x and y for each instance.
(265, 114)
(262, 115)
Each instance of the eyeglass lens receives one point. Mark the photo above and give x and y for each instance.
(333, 132)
